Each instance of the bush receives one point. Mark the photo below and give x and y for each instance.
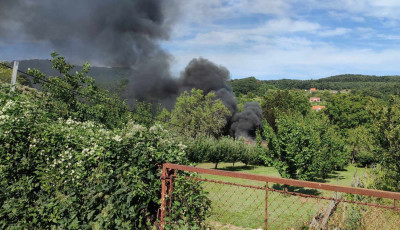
(305, 147)
(77, 175)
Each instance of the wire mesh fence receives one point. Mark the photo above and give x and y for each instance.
(245, 201)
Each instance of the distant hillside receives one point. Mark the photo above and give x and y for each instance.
(110, 78)
(375, 86)
(339, 82)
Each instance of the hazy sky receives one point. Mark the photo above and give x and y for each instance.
(273, 39)
(300, 39)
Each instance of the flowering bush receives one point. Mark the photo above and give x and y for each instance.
(61, 173)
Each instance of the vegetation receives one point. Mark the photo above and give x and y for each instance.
(64, 164)
(74, 155)
(198, 114)
(305, 147)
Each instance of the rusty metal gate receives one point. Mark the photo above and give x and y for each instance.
(248, 201)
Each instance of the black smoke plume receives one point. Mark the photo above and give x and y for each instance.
(245, 123)
(123, 33)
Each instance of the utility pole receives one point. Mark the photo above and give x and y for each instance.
(14, 76)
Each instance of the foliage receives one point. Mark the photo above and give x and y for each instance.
(283, 102)
(224, 149)
(348, 111)
(198, 114)
(145, 113)
(5, 73)
(387, 123)
(375, 86)
(302, 147)
(70, 174)
(189, 205)
(76, 96)
(361, 144)
(245, 85)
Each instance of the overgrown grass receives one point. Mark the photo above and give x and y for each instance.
(245, 207)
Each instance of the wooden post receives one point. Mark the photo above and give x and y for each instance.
(14, 76)
(266, 205)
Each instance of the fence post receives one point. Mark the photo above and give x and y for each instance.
(266, 205)
(14, 76)
(166, 190)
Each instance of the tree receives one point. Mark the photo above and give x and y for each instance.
(348, 111)
(305, 147)
(284, 102)
(387, 123)
(361, 144)
(198, 114)
(245, 85)
(293, 147)
(75, 95)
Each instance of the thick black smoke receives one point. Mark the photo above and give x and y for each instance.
(245, 124)
(106, 32)
(202, 74)
(124, 33)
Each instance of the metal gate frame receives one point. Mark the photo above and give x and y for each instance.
(169, 171)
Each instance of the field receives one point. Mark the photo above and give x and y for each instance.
(240, 207)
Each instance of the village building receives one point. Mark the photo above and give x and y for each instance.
(318, 107)
(315, 99)
(313, 90)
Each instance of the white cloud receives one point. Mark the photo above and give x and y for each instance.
(382, 9)
(290, 41)
(334, 32)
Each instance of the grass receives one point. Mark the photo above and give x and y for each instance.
(244, 208)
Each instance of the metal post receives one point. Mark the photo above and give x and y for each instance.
(14, 76)
(163, 194)
(166, 190)
(266, 205)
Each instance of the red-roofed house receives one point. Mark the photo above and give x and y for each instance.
(315, 99)
(318, 107)
(313, 90)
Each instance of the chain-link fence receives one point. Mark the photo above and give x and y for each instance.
(215, 199)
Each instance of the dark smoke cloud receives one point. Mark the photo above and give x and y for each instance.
(124, 33)
(202, 74)
(245, 124)
(105, 32)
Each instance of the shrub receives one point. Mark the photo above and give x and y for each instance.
(69, 174)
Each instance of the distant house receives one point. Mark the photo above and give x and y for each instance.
(315, 99)
(318, 107)
(313, 90)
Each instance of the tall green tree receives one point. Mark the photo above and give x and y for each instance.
(197, 114)
(284, 102)
(361, 144)
(305, 147)
(388, 125)
(75, 95)
(349, 111)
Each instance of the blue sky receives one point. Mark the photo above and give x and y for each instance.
(274, 39)
(299, 39)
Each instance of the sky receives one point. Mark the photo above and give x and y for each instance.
(297, 39)
(275, 39)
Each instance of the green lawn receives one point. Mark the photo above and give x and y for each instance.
(244, 208)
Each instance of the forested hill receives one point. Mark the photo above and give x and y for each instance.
(110, 78)
(339, 82)
(376, 86)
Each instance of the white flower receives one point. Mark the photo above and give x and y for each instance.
(117, 138)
